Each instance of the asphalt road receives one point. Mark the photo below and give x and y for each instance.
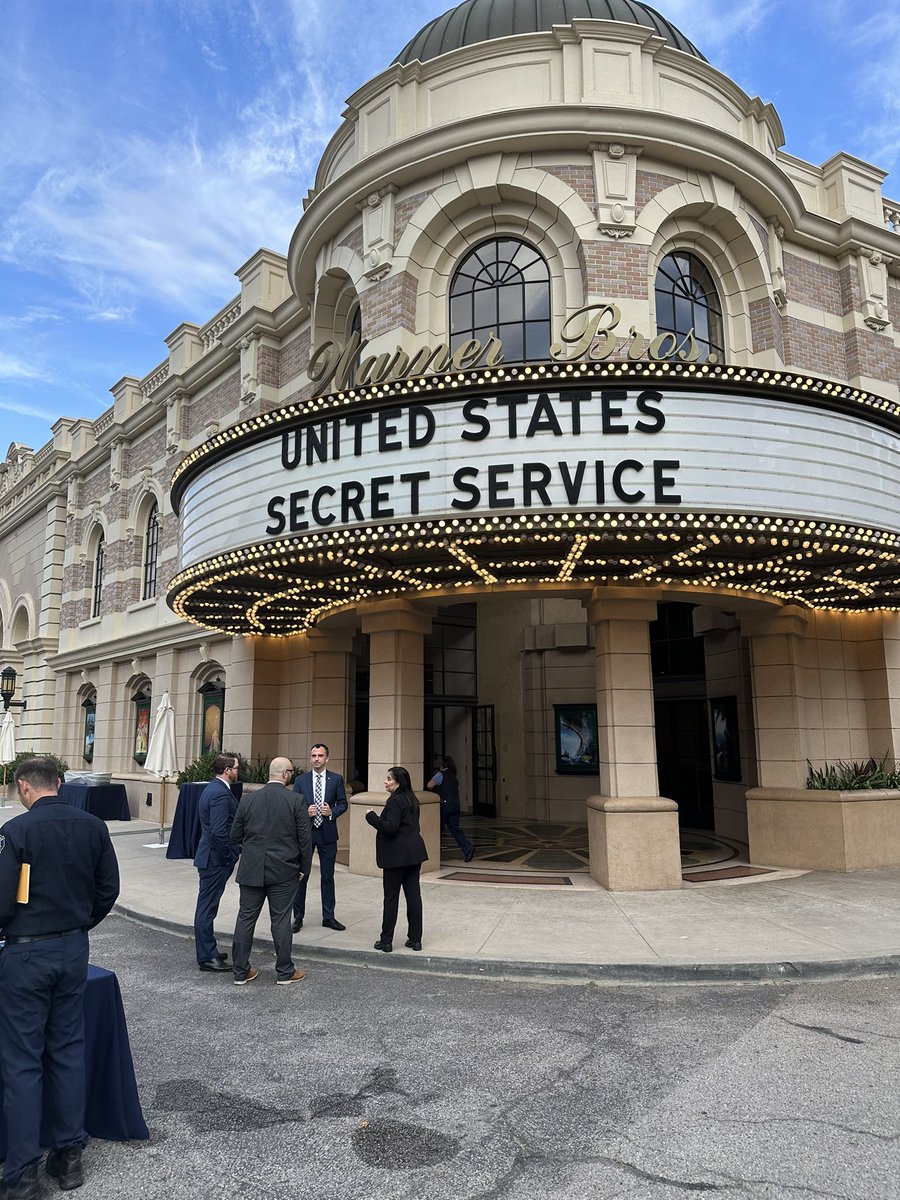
(376, 1084)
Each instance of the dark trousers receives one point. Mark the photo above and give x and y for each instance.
(327, 855)
(450, 820)
(42, 1046)
(279, 896)
(212, 885)
(407, 878)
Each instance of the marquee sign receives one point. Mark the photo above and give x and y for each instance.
(543, 475)
(591, 334)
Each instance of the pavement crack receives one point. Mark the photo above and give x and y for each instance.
(841, 1037)
(836, 1125)
(652, 1177)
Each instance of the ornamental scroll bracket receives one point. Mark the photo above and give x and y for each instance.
(378, 232)
(174, 412)
(615, 186)
(873, 283)
(776, 264)
(249, 368)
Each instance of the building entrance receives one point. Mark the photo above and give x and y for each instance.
(681, 714)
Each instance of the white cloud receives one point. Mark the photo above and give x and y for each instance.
(713, 25)
(17, 368)
(27, 410)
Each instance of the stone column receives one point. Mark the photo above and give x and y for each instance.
(331, 673)
(633, 831)
(776, 666)
(396, 630)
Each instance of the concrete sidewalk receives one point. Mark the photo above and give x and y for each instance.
(779, 926)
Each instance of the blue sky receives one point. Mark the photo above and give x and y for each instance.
(149, 147)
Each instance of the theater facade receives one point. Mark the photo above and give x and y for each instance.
(564, 439)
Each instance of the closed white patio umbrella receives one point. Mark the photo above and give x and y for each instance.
(162, 754)
(7, 748)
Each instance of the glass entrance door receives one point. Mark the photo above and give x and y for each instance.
(484, 800)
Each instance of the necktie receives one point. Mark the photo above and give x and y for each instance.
(317, 820)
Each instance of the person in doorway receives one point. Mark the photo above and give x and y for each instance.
(272, 828)
(446, 784)
(58, 879)
(326, 800)
(400, 852)
(215, 858)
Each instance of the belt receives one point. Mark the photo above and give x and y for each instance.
(13, 939)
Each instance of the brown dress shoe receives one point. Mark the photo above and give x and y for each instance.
(248, 978)
(295, 978)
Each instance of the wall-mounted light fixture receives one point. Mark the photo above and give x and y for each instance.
(8, 690)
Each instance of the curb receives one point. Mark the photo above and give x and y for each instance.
(583, 974)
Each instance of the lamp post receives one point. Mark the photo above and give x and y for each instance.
(8, 690)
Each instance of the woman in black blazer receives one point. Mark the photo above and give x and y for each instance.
(400, 852)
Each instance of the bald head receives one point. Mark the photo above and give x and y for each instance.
(280, 769)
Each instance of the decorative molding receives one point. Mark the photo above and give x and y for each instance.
(615, 186)
(873, 282)
(378, 232)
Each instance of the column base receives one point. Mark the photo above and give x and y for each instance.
(634, 843)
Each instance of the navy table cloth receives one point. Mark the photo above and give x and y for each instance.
(112, 1109)
(106, 800)
(185, 835)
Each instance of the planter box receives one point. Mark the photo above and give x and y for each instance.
(824, 831)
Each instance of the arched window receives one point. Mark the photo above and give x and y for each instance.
(151, 552)
(99, 560)
(503, 287)
(686, 299)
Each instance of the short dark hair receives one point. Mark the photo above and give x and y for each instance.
(447, 761)
(38, 773)
(320, 746)
(223, 761)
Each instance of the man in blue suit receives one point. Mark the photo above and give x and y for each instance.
(215, 858)
(324, 793)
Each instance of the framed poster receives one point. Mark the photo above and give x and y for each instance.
(577, 748)
(90, 720)
(141, 727)
(726, 746)
(212, 716)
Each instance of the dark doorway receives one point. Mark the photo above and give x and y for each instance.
(682, 725)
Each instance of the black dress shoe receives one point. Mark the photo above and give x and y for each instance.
(387, 947)
(332, 923)
(66, 1166)
(26, 1186)
(470, 855)
(213, 964)
(413, 945)
(297, 925)
(221, 956)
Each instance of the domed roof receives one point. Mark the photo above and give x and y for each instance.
(482, 20)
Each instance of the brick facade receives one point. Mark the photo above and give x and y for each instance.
(811, 283)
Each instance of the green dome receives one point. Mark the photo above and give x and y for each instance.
(476, 21)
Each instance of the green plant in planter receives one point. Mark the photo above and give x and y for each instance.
(852, 776)
(201, 770)
(10, 767)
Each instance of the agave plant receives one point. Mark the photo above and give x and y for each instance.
(852, 776)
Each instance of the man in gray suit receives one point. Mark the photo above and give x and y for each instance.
(272, 828)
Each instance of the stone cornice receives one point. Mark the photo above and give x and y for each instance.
(176, 635)
(560, 127)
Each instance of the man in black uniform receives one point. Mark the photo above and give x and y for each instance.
(72, 881)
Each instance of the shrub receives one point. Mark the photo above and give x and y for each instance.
(10, 767)
(852, 776)
(201, 769)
